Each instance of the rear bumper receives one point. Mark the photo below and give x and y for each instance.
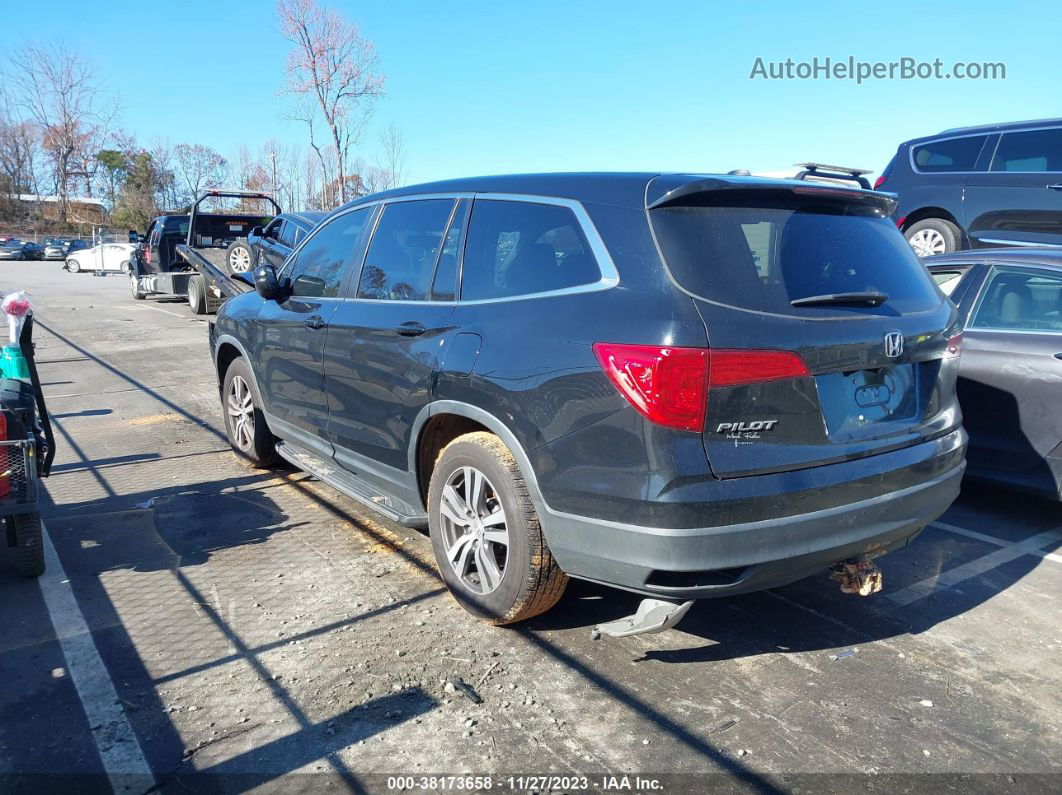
(700, 562)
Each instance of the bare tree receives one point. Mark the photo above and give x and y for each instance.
(164, 175)
(393, 156)
(59, 90)
(198, 166)
(332, 65)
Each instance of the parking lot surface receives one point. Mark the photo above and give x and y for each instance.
(199, 618)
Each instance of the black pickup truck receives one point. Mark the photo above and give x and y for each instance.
(162, 265)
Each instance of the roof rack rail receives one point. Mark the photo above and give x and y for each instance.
(831, 172)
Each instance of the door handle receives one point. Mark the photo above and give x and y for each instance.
(315, 322)
(1056, 186)
(410, 329)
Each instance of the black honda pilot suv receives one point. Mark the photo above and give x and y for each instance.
(680, 385)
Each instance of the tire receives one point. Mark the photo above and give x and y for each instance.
(530, 580)
(73, 266)
(134, 287)
(933, 236)
(251, 440)
(30, 541)
(240, 257)
(197, 297)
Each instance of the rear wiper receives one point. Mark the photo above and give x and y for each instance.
(864, 298)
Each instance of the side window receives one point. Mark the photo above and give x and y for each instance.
(953, 154)
(444, 285)
(401, 256)
(287, 234)
(299, 236)
(273, 230)
(1036, 150)
(947, 281)
(1021, 301)
(324, 261)
(519, 248)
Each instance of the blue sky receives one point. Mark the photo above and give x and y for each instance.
(496, 87)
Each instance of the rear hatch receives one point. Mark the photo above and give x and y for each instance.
(777, 270)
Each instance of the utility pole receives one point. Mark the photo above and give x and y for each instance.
(273, 158)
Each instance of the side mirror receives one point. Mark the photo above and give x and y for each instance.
(256, 231)
(266, 284)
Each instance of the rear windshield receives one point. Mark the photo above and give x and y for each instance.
(774, 251)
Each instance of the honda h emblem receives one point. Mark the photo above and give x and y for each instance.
(893, 344)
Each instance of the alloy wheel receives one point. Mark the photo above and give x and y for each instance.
(240, 260)
(240, 407)
(474, 530)
(928, 241)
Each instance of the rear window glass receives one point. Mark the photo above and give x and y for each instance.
(763, 257)
(953, 154)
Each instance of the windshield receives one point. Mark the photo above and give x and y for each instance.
(776, 250)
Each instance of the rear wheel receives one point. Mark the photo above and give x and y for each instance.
(240, 257)
(197, 296)
(486, 535)
(30, 540)
(245, 424)
(134, 287)
(932, 236)
(73, 266)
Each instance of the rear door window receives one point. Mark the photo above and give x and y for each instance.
(521, 248)
(1021, 300)
(1032, 151)
(776, 249)
(404, 247)
(951, 154)
(325, 260)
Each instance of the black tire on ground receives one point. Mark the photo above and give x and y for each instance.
(197, 295)
(933, 236)
(250, 438)
(134, 287)
(240, 257)
(531, 582)
(30, 541)
(73, 266)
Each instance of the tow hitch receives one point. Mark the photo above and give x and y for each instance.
(861, 577)
(652, 616)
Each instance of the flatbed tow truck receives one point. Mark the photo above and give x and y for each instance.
(169, 261)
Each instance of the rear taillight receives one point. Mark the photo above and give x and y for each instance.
(669, 386)
(879, 182)
(954, 348)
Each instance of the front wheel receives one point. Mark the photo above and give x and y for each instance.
(486, 535)
(73, 266)
(245, 424)
(933, 236)
(134, 287)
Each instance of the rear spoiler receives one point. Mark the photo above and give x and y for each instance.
(841, 173)
(228, 286)
(668, 189)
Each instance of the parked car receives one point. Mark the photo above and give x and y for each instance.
(60, 248)
(114, 257)
(523, 365)
(18, 249)
(1010, 375)
(976, 187)
(274, 243)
